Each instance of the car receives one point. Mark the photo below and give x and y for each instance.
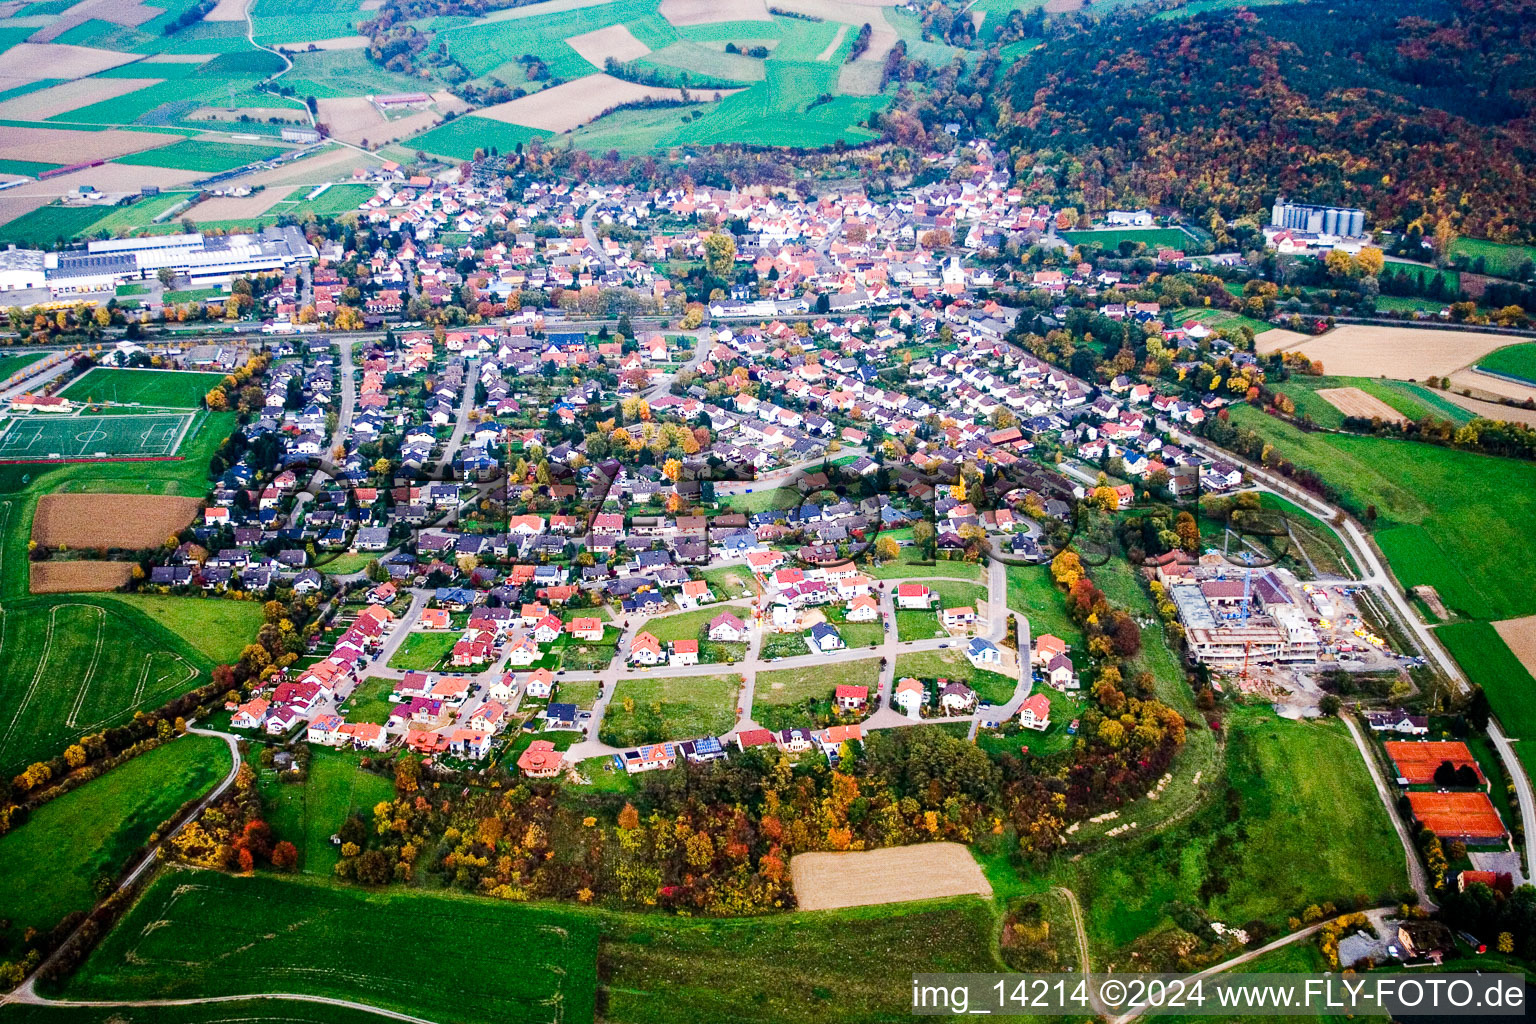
(942, 646)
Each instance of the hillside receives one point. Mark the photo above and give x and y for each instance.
(1346, 102)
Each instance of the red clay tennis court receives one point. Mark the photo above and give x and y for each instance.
(1417, 762)
(1457, 815)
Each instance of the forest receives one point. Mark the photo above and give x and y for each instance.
(1352, 103)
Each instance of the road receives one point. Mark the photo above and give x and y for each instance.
(1377, 575)
(466, 404)
(27, 995)
(590, 233)
(338, 436)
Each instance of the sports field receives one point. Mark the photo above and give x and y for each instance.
(1110, 238)
(201, 933)
(77, 437)
(161, 389)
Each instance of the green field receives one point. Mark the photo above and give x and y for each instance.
(336, 200)
(1110, 238)
(75, 437)
(647, 710)
(780, 696)
(219, 628)
(1512, 361)
(369, 701)
(197, 155)
(193, 294)
(1216, 319)
(70, 842)
(11, 364)
(684, 625)
(161, 389)
(1297, 822)
(1412, 400)
(423, 651)
(200, 933)
(460, 137)
(48, 225)
(1498, 259)
(308, 813)
(79, 663)
(1488, 661)
(1449, 518)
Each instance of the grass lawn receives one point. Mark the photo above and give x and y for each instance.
(308, 813)
(1488, 661)
(647, 710)
(345, 563)
(247, 934)
(424, 651)
(1445, 517)
(910, 565)
(915, 624)
(731, 582)
(10, 364)
(684, 625)
(605, 776)
(1032, 593)
(56, 856)
(1512, 361)
(1295, 821)
(370, 701)
(991, 687)
(166, 389)
(1053, 740)
(193, 294)
(581, 692)
(219, 628)
(580, 656)
(761, 500)
(855, 634)
(777, 969)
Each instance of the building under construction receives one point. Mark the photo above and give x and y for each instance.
(1236, 618)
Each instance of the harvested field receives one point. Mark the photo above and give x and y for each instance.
(1493, 410)
(703, 12)
(926, 871)
(329, 165)
(1354, 402)
(1277, 339)
(227, 10)
(45, 103)
(339, 43)
(29, 62)
(47, 145)
(1519, 635)
(79, 577)
(350, 118)
(1475, 382)
(1062, 6)
(110, 520)
(1404, 353)
(615, 41)
(236, 207)
(575, 103)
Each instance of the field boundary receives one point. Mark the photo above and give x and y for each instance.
(1507, 377)
(93, 458)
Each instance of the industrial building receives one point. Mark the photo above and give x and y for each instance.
(204, 259)
(1335, 221)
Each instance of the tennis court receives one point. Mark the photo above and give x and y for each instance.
(77, 437)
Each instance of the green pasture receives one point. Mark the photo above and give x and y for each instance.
(458, 139)
(1499, 259)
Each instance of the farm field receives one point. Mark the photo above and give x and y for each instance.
(308, 813)
(1448, 518)
(167, 389)
(460, 137)
(1295, 793)
(775, 969)
(1487, 659)
(48, 224)
(1413, 401)
(1512, 361)
(262, 933)
(646, 710)
(825, 881)
(76, 664)
(1403, 353)
(110, 520)
(68, 843)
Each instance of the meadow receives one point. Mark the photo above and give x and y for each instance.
(57, 857)
(201, 933)
(46, 226)
(459, 138)
(218, 628)
(991, 687)
(423, 651)
(1295, 822)
(1487, 660)
(1498, 259)
(1449, 518)
(647, 710)
(308, 813)
(1512, 361)
(160, 389)
(11, 364)
(780, 696)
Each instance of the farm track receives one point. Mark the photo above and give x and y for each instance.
(90, 672)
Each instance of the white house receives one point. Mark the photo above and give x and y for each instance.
(909, 697)
(1035, 713)
(983, 653)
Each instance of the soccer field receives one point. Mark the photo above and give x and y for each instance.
(76, 437)
(162, 389)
